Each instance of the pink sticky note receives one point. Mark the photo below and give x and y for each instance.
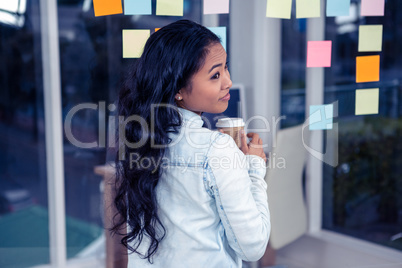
(319, 53)
(216, 6)
(372, 7)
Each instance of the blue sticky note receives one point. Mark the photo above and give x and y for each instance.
(338, 8)
(138, 7)
(321, 117)
(221, 33)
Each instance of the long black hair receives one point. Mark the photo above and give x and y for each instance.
(170, 58)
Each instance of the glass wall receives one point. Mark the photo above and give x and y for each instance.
(362, 196)
(91, 66)
(24, 238)
(293, 70)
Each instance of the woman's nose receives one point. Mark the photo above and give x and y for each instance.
(228, 81)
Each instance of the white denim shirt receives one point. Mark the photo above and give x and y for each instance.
(212, 202)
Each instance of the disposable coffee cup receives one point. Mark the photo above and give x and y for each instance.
(232, 127)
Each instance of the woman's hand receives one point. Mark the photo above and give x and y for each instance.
(255, 145)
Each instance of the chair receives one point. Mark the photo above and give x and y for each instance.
(116, 253)
(285, 190)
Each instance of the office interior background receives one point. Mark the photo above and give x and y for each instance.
(55, 55)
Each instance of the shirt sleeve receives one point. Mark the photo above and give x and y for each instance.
(238, 186)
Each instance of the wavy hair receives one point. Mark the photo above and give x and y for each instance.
(170, 58)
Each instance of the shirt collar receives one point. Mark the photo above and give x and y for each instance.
(190, 118)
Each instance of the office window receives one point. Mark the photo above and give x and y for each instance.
(92, 66)
(293, 71)
(24, 238)
(362, 196)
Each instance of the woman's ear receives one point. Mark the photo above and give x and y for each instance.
(178, 96)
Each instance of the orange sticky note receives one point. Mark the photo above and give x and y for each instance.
(107, 7)
(367, 69)
(156, 29)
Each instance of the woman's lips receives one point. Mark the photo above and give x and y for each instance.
(225, 98)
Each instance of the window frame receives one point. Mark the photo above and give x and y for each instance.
(53, 132)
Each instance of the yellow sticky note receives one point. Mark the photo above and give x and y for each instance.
(107, 7)
(279, 9)
(308, 8)
(134, 42)
(370, 38)
(367, 101)
(169, 7)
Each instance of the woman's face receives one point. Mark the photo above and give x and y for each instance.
(208, 90)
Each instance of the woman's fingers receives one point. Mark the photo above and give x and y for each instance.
(243, 138)
(264, 156)
(255, 146)
(255, 139)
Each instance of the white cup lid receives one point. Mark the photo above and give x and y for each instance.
(230, 122)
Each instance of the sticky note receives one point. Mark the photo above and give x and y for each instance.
(367, 69)
(372, 7)
(221, 33)
(138, 7)
(107, 7)
(169, 7)
(338, 8)
(157, 29)
(134, 42)
(279, 9)
(370, 38)
(321, 117)
(319, 53)
(308, 8)
(216, 6)
(367, 101)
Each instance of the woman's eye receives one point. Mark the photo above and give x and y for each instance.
(216, 76)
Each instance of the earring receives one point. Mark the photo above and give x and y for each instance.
(178, 98)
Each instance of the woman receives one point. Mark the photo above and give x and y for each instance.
(189, 196)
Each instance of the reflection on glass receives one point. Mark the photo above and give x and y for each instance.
(293, 71)
(363, 195)
(12, 12)
(91, 67)
(10, 6)
(24, 238)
